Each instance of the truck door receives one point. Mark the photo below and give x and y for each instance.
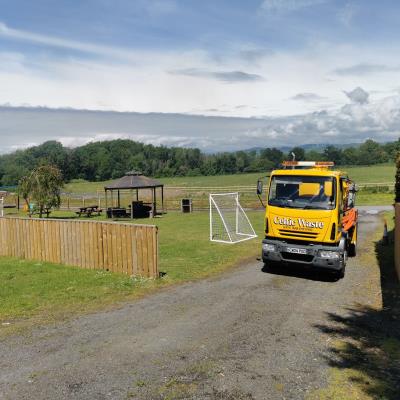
(341, 200)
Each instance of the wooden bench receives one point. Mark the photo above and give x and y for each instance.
(36, 211)
(89, 211)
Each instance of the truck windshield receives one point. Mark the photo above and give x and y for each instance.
(303, 192)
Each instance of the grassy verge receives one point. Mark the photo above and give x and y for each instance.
(35, 292)
(365, 350)
(373, 199)
(32, 292)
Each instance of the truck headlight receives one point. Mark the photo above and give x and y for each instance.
(268, 247)
(329, 254)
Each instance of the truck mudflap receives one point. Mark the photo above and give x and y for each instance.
(329, 257)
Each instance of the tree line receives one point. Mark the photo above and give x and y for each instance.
(100, 161)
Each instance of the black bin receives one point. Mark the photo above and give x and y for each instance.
(186, 205)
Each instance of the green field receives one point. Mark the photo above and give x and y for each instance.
(34, 292)
(198, 187)
(383, 173)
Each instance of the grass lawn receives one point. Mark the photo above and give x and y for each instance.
(45, 291)
(382, 173)
(33, 292)
(374, 199)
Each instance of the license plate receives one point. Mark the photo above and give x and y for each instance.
(296, 250)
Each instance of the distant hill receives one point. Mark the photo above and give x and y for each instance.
(308, 147)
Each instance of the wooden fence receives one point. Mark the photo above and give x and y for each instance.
(118, 247)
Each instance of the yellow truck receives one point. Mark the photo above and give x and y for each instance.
(310, 216)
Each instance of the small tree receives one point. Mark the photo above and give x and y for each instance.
(43, 186)
(299, 153)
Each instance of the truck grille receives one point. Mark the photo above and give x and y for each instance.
(297, 257)
(308, 235)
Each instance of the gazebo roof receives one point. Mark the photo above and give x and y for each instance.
(133, 180)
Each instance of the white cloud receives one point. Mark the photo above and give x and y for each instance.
(156, 140)
(224, 76)
(307, 97)
(352, 122)
(365, 69)
(142, 81)
(358, 95)
(52, 41)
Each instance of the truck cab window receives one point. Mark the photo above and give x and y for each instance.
(303, 192)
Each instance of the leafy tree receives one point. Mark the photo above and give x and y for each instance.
(392, 149)
(314, 155)
(372, 152)
(274, 155)
(100, 161)
(397, 184)
(43, 186)
(350, 156)
(299, 152)
(332, 153)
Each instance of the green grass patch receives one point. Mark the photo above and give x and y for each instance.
(36, 292)
(346, 384)
(374, 199)
(186, 251)
(381, 173)
(44, 292)
(28, 286)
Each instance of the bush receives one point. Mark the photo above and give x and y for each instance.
(397, 185)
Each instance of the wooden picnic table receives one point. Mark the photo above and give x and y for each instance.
(89, 211)
(36, 211)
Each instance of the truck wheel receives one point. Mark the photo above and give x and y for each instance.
(269, 265)
(353, 249)
(340, 274)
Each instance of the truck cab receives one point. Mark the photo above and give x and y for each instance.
(310, 216)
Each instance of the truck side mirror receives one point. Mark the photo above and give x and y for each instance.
(259, 187)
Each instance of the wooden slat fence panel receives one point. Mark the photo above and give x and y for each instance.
(118, 247)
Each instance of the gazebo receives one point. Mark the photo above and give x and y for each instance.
(133, 181)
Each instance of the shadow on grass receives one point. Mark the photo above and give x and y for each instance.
(300, 271)
(65, 217)
(367, 351)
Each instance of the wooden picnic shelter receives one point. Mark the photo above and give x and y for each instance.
(133, 182)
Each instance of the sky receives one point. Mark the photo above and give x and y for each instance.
(220, 75)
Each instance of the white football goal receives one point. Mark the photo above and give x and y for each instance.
(228, 221)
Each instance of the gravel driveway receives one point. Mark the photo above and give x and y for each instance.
(247, 334)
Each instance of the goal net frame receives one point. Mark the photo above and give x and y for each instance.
(238, 236)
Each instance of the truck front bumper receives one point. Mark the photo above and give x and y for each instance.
(316, 255)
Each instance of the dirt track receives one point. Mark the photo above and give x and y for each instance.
(248, 334)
